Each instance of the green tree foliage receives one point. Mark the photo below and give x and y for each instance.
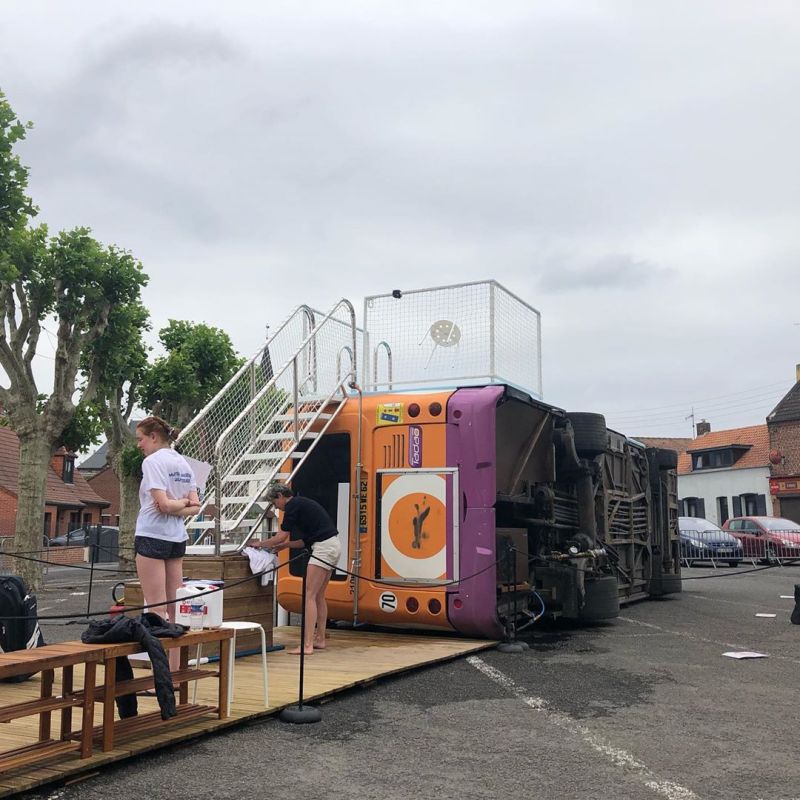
(79, 284)
(199, 361)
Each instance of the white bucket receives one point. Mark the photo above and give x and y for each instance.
(212, 603)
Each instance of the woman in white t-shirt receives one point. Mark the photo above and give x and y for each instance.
(167, 494)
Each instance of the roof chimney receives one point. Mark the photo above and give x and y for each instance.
(703, 427)
(797, 373)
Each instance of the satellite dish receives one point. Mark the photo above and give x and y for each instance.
(445, 333)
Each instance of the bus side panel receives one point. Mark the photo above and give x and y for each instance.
(472, 603)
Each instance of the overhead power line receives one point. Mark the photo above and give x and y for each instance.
(688, 403)
(702, 410)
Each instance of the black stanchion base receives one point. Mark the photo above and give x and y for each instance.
(300, 716)
(512, 647)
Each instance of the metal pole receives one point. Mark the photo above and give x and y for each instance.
(512, 645)
(302, 641)
(492, 365)
(300, 714)
(92, 554)
(295, 400)
(513, 552)
(218, 511)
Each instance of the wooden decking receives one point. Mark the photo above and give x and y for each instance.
(354, 658)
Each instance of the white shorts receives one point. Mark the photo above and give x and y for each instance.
(328, 550)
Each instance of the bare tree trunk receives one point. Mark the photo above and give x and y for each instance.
(34, 461)
(128, 512)
(119, 435)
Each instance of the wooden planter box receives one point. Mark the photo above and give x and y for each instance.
(247, 601)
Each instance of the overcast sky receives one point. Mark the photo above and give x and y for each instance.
(629, 168)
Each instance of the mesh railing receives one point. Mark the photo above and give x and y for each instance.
(465, 334)
(199, 438)
(254, 445)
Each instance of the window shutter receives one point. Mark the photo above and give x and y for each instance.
(700, 506)
(737, 506)
(761, 505)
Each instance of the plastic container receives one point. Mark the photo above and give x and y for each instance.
(212, 603)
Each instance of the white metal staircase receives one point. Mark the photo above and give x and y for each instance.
(264, 416)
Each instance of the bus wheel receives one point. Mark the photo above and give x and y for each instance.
(601, 600)
(590, 432)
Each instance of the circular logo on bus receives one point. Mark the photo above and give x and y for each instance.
(414, 526)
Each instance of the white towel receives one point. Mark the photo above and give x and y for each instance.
(261, 559)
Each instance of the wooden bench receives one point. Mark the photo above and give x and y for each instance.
(66, 656)
(110, 731)
(46, 660)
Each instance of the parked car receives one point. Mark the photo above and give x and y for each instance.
(766, 538)
(77, 538)
(702, 540)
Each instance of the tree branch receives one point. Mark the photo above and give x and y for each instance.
(10, 311)
(10, 363)
(18, 338)
(30, 352)
(131, 401)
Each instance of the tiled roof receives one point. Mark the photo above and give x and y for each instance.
(76, 494)
(754, 437)
(99, 458)
(677, 444)
(789, 408)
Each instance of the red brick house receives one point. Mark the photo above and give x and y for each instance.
(784, 453)
(70, 501)
(106, 484)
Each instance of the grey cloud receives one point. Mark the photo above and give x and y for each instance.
(617, 271)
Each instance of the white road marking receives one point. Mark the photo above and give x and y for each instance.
(693, 596)
(617, 756)
(684, 635)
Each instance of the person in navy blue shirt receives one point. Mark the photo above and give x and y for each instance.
(306, 524)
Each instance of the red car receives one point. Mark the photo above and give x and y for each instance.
(768, 538)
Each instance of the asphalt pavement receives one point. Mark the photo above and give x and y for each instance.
(644, 707)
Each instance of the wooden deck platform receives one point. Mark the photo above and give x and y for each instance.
(353, 658)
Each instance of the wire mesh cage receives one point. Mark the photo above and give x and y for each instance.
(464, 334)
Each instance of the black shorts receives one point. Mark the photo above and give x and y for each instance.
(150, 547)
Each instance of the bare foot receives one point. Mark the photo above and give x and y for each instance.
(320, 645)
(295, 651)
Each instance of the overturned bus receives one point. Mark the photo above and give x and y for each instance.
(464, 501)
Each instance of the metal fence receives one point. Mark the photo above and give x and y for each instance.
(464, 334)
(704, 548)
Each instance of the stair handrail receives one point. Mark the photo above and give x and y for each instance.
(345, 303)
(305, 310)
(343, 383)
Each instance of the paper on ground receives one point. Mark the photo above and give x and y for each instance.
(770, 616)
(745, 654)
(787, 597)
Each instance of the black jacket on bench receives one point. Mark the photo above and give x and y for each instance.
(144, 631)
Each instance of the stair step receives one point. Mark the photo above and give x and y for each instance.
(225, 525)
(285, 436)
(247, 476)
(274, 457)
(301, 415)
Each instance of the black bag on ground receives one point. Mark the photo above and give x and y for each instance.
(19, 623)
(795, 618)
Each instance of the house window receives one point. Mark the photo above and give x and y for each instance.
(68, 471)
(722, 510)
(753, 505)
(718, 459)
(693, 507)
